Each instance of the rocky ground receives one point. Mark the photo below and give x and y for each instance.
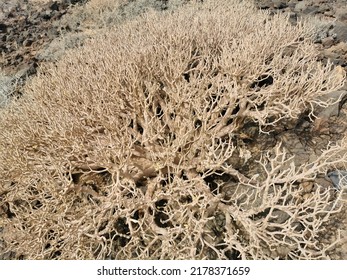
(29, 30)
(332, 39)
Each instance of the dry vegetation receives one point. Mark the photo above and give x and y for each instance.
(140, 145)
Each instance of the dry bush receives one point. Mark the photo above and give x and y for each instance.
(84, 21)
(134, 147)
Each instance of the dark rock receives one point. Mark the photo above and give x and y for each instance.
(299, 7)
(46, 15)
(324, 182)
(338, 178)
(10, 15)
(340, 30)
(293, 18)
(328, 42)
(337, 53)
(341, 14)
(54, 6)
(311, 10)
(73, 2)
(26, 27)
(336, 97)
(278, 4)
(323, 33)
(291, 4)
(3, 27)
(264, 4)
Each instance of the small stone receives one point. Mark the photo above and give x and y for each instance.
(336, 99)
(293, 18)
(328, 42)
(338, 178)
(54, 6)
(3, 27)
(323, 182)
(307, 186)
